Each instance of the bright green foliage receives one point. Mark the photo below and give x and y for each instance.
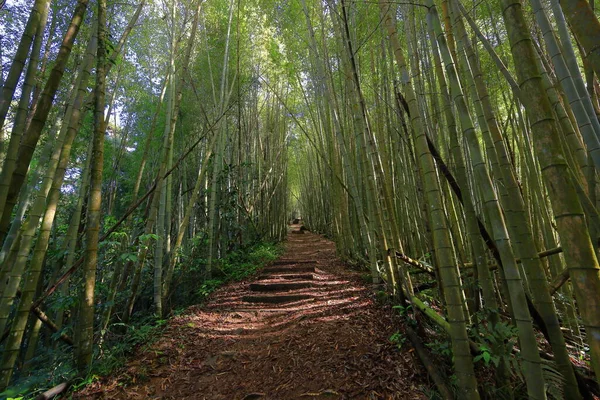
(239, 265)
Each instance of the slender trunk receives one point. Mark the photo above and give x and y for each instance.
(20, 120)
(570, 220)
(85, 332)
(32, 135)
(149, 136)
(515, 212)
(463, 361)
(40, 7)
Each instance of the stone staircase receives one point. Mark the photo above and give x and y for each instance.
(282, 281)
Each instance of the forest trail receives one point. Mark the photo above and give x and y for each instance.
(306, 327)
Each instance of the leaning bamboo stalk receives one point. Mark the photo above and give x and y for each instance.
(473, 224)
(43, 106)
(33, 133)
(460, 343)
(532, 363)
(149, 136)
(514, 210)
(21, 115)
(25, 244)
(85, 331)
(570, 219)
(183, 224)
(584, 121)
(65, 136)
(586, 28)
(117, 224)
(35, 21)
(27, 197)
(571, 60)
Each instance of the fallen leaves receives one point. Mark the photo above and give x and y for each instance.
(228, 349)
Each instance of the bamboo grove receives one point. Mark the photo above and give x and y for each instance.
(450, 149)
(139, 153)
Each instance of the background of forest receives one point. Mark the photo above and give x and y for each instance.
(152, 151)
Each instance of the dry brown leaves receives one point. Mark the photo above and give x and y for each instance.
(334, 345)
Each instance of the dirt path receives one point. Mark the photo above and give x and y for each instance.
(306, 328)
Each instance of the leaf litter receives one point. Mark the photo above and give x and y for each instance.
(328, 340)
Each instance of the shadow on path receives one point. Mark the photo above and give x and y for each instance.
(305, 328)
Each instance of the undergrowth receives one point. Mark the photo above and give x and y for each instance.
(239, 265)
(120, 340)
(109, 356)
(495, 348)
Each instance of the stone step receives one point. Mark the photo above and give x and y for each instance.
(290, 269)
(292, 262)
(276, 299)
(288, 276)
(279, 286)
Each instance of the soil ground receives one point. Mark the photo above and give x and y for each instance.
(307, 327)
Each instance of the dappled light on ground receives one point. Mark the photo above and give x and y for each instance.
(306, 327)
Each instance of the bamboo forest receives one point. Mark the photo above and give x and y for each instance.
(299, 199)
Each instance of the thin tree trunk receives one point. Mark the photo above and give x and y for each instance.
(463, 361)
(8, 195)
(85, 337)
(40, 7)
(570, 220)
(20, 120)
